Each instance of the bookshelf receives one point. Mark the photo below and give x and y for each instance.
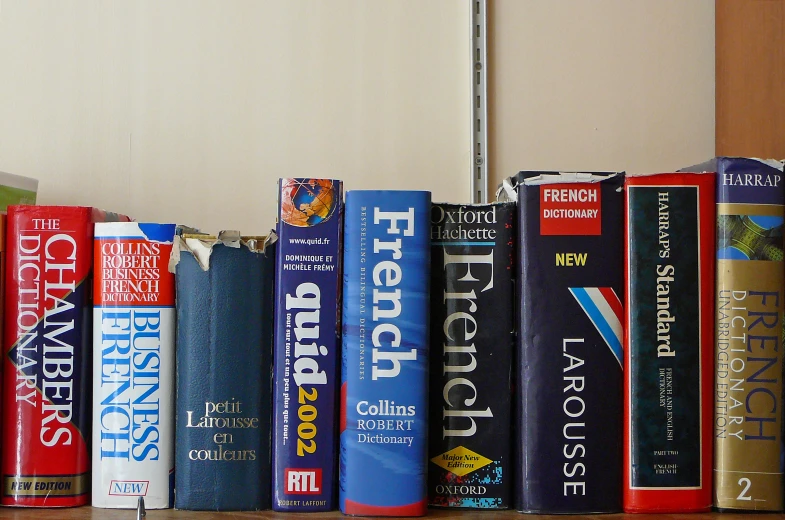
(90, 513)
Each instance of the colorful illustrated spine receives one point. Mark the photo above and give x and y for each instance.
(669, 342)
(17, 189)
(48, 335)
(384, 391)
(133, 366)
(569, 368)
(748, 456)
(472, 337)
(307, 344)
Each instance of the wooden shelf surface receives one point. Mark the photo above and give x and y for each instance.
(85, 513)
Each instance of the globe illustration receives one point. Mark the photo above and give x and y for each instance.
(307, 202)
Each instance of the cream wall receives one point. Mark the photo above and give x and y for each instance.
(600, 84)
(190, 110)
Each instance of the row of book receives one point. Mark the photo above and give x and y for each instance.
(567, 350)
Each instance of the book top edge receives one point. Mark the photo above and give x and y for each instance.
(773, 163)
(568, 178)
(49, 207)
(535, 173)
(474, 204)
(507, 190)
(649, 174)
(138, 222)
(151, 231)
(713, 165)
(46, 211)
(218, 238)
(201, 245)
(308, 179)
(382, 192)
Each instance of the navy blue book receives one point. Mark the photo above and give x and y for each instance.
(224, 345)
(307, 344)
(472, 341)
(384, 391)
(569, 367)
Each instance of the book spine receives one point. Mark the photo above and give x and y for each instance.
(748, 472)
(472, 266)
(569, 355)
(382, 470)
(133, 366)
(224, 404)
(46, 393)
(307, 344)
(670, 237)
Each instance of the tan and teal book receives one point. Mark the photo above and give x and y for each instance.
(750, 293)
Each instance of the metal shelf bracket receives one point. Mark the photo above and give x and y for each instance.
(479, 155)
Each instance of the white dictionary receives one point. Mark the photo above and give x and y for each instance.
(133, 366)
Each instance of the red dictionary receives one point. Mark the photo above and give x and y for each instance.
(47, 340)
(669, 335)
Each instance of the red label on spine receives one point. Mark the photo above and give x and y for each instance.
(133, 272)
(303, 481)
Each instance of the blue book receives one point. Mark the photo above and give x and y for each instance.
(307, 344)
(224, 344)
(384, 375)
(569, 367)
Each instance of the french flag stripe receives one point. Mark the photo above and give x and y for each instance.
(601, 312)
(609, 295)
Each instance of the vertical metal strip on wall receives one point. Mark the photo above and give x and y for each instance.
(479, 177)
